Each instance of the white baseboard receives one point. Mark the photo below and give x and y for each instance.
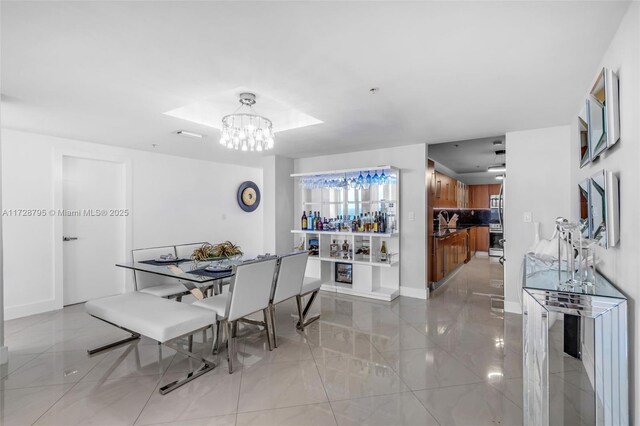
(4, 355)
(416, 293)
(13, 312)
(513, 307)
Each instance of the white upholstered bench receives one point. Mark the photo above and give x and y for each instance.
(157, 318)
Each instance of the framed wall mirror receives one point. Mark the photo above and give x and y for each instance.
(583, 130)
(585, 215)
(603, 112)
(604, 208)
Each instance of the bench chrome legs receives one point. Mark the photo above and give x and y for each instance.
(134, 336)
(302, 313)
(204, 368)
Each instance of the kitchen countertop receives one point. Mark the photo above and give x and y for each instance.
(445, 232)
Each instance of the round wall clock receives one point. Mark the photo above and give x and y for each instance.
(248, 196)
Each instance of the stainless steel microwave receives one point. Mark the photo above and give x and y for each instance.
(495, 201)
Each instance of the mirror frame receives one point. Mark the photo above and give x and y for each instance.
(583, 132)
(584, 187)
(604, 94)
(611, 207)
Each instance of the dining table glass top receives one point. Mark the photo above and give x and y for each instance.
(186, 270)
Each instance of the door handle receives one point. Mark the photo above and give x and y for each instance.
(69, 238)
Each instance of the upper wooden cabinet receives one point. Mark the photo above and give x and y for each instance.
(479, 196)
(449, 193)
(494, 189)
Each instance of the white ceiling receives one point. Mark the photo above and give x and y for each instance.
(108, 71)
(468, 160)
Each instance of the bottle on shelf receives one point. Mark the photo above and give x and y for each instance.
(320, 223)
(303, 221)
(354, 224)
(310, 220)
(375, 223)
(383, 252)
(345, 250)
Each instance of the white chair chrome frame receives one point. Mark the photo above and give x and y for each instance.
(178, 295)
(302, 312)
(287, 283)
(231, 325)
(188, 245)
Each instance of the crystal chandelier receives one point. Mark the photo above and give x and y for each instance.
(245, 130)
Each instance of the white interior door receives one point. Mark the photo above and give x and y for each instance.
(93, 241)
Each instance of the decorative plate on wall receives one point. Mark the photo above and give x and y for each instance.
(248, 196)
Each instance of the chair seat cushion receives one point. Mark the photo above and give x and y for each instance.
(217, 304)
(165, 290)
(154, 317)
(310, 284)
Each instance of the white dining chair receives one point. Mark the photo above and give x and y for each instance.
(288, 283)
(184, 251)
(154, 284)
(310, 287)
(249, 292)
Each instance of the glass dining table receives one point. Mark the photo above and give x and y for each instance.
(194, 275)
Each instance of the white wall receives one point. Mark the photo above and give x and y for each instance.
(620, 264)
(538, 180)
(411, 160)
(277, 204)
(196, 202)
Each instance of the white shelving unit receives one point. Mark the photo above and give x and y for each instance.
(371, 278)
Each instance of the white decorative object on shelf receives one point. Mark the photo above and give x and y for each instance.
(342, 194)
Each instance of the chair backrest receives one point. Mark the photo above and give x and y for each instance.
(145, 279)
(184, 251)
(290, 276)
(250, 289)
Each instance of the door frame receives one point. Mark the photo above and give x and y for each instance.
(58, 221)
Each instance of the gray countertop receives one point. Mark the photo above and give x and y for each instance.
(445, 232)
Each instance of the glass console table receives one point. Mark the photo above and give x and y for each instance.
(601, 367)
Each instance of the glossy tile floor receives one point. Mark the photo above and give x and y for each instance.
(449, 361)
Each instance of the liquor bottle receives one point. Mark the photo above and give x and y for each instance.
(383, 223)
(320, 224)
(375, 223)
(310, 220)
(304, 220)
(345, 250)
(354, 224)
(367, 223)
(383, 252)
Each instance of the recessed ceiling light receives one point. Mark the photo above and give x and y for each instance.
(497, 168)
(500, 177)
(189, 134)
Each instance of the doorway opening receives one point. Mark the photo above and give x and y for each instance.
(465, 218)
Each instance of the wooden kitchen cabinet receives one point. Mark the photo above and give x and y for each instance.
(445, 189)
(449, 253)
(479, 196)
(494, 189)
(473, 232)
(438, 260)
(482, 238)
